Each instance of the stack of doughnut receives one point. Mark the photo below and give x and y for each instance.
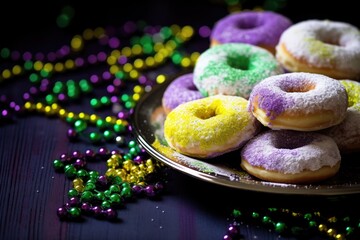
(289, 103)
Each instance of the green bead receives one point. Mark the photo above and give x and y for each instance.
(70, 171)
(255, 215)
(308, 216)
(101, 124)
(58, 165)
(118, 128)
(117, 180)
(90, 186)
(126, 192)
(114, 188)
(94, 175)
(236, 213)
(125, 185)
(91, 180)
(115, 198)
(109, 135)
(280, 227)
(127, 156)
(100, 196)
(133, 151)
(266, 219)
(72, 193)
(95, 137)
(80, 125)
(34, 78)
(95, 103)
(125, 97)
(129, 104)
(107, 193)
(59, 87)
(75, 212)
(50, 99)
(312, 224)
(105, 100)
(82, 173)
(132, 144)
(86, 196)
(28, 65)
(349, 230)
(105, 204)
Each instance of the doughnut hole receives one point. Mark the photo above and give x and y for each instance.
(291, 141)
(303, 87)
(207, 112)
(330, 38)
(238, 62)
(248, 23)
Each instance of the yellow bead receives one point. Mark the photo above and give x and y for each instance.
(175, 28)
(79, 188)
(76, 43)
(170, 45)
(16, 70)
(139, 63)
(110, 119)
(28, 106)
(340, 237)
(136, 49)
(88, 34)
(121, 173)
(331, 232)
(160, 78)
(111, 60)
(39, 106)
(187, 31)
(38, 65)
(332, 220)
(83, 116)
(127, 67)
(158, 46)
(111, 172)
(69, 64)
(6, 73)
(149, 162)
(150, 61)
(48, 67)
(126, 51)
(116, 53)
(78, 181)
(111, 163)
(62, 113)
(136, 97)
(150, 169)
(127, 165)
(134, 74)
(322, 228)
(114, 69)
(185, 62)
(94, 118)
(59, 67)
(48, 111)
(99, 32)
(132, 179)
(70, 115)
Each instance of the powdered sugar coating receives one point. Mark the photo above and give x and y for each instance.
(251, 27)
(210, 126)
(233, 69)
(347, 133)
(181, 90)
(291, 152)
(283, 93)
(324, 44)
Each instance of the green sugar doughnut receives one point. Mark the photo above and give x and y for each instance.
(233, 69)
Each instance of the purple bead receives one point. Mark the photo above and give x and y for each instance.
(62, 97)
(89, 154)
(74, 201)
(104, 40)
(64, 157)
(110, 213)
(33, 90)
(51, 56)
(15, 55)
(103, 151)
(227, 237)
(106, 75)
(96, 210)
(114, 99)
(80, 163)
(111, 89)
(79, 62)
(26, 96)
(101, 56)
(159, 187)
(4, 113)
(94, 79)
(92, 59)
(150, 191)
(116, 151)
(114, 42)
(122, 60)
(62, 212)
(102, 180)
(136, 189)
(142, 79)
(76, 154)
(72, 134)
(138, 160)
(204, 31)
(130, 27)
(39, 56)
(86, 207)
(233, 230)
(27, 56)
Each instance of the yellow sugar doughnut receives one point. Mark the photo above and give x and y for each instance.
(210, 126)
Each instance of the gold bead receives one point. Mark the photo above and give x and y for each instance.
(331, 232)
(322, 228)
(340, 237)
(112, 163)
(127, 165)
(79, 188)
(111, 172)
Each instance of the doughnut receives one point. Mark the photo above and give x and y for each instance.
(321, 46)
(233, 69)
(288, 156)
(180, 90)
(210, 126)
(347, 133)
(259, 28)
(299, 101)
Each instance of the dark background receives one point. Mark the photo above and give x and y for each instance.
(21, 21)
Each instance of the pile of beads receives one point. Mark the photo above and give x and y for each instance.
(100, 195)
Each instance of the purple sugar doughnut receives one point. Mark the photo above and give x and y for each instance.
(291, 157)
(260, 28)
(181, 90)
